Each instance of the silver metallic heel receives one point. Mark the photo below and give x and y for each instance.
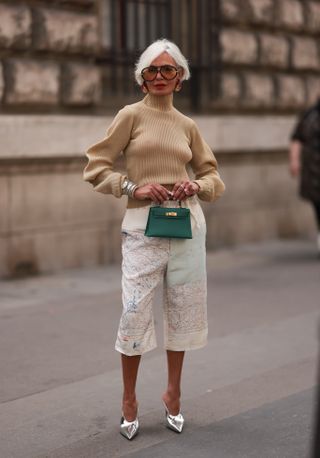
(174, 422)
(129, 429)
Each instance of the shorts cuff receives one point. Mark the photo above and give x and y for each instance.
(137, 345)
(185, 342)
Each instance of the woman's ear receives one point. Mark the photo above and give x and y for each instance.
(144, 88)
(178, 86)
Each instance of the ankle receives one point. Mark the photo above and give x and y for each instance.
(172, 402)
(129, 399)
(130, 409)
(173, 393)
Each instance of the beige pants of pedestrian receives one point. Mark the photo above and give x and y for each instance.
(181, 264)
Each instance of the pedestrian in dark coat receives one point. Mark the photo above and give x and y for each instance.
(305, 158)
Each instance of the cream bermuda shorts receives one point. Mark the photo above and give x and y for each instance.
(181, 264)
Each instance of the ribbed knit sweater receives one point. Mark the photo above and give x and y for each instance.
(160, 145)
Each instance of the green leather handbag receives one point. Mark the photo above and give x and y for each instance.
(169, 222)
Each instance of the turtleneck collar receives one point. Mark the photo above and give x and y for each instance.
(159, 102)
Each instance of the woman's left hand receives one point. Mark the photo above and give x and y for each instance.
(184, 189)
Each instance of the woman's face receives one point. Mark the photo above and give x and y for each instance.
(161, 86)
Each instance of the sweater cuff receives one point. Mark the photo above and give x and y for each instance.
(112, 184)
(205, 192)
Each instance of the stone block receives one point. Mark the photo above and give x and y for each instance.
(297, 220)
(240, 179)
(43, 251)
(262, 10)
(291, 91)
(82, 84)
(230, 87)
(22, 257)
(290, 14)
(23, 135)
(248, 11)
(236, 132)
(274, 50)
(313, 16)
(15, 26)
(238, 47)
(313, 89)
(4, 257)
(82, 2)
(4, 205)
(305, 54)
(230, 9)
(253, 225)
(1, 82)
(56, 219)
(64, 31)
(33, 82)
(71, 248)
(54, 199)
(259, 90)
(269, 203)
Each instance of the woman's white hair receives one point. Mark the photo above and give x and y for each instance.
(154, 50)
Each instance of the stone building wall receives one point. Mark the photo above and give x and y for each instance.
(268, 62)
(267, 56)
(55, 100)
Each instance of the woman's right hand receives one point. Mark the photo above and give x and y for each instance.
(152, 191)
(294, 168)
(295, 157)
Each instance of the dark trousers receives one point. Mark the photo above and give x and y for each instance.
(316, 428)
(316, 207)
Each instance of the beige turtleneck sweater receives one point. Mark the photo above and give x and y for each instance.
(160, 144)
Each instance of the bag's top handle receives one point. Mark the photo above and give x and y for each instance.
(176, 201)
(153, 204)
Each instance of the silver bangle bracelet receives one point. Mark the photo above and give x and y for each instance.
(128, 187)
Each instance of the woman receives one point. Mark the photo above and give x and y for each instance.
(160, 145)
(304, 159)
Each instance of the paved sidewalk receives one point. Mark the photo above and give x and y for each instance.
(248, 394)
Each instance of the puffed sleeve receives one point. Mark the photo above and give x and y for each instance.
(205, 168)
(101, 156)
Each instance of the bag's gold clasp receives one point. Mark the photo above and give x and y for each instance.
(171, 213)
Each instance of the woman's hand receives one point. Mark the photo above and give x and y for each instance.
(294, 168)
(295, 157)
(184, 189)
(152, 191)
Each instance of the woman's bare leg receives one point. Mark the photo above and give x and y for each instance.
(172, 396)
(130, 366)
